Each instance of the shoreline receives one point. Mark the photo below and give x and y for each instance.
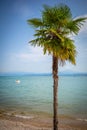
(39, 122)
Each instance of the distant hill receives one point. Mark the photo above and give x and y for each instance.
(72, 74)
(43, 74)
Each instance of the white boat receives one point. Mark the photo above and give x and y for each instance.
(18, 81)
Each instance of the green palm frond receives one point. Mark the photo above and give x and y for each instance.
(40, 32)
(35, 22)
(75, 25)
(80, 21)
(56, 15)
(56, 34)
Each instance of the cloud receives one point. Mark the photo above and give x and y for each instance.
(34, 61)
(34, 55)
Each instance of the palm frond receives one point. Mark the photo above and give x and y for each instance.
(75, 25)
(40, 32)
(35, 22)
(57, 34)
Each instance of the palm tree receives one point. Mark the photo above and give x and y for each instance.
(52, 32)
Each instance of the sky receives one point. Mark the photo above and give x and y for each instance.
(17, 55)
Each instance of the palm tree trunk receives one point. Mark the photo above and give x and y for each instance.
(55, 88)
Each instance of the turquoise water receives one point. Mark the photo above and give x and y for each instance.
(35, 94)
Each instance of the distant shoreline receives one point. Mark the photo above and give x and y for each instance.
(42, 74)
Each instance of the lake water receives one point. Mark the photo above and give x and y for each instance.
(34, 94)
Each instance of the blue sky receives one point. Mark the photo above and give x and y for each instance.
(16, 55)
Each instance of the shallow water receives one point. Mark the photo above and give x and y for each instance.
(34, 94)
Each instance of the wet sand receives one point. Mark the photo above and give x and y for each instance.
(38, 122)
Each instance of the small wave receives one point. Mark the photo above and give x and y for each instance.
(20, 116)
(82, 119)
(24, 117)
